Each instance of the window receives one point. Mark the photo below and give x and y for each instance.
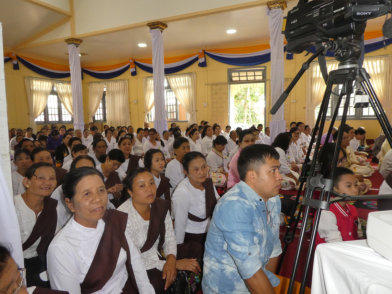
(376, 67)
(174, 110)
(100, 114)
(247, 88)
(54, 111)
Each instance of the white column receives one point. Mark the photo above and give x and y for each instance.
(158, 67)
(275, 18)
(9, 228)
(76, 82)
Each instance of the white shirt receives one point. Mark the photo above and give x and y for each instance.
(122, 170)
(168, 149)
(148, 145)
(112, 144)
(194, 146)
(328, 228)
(264, 139)
(214, 161)
(137, 229)
(175, 173)
(284, 164)
(87, 141)
(187, 198)
(67, 165)
(68, 158)
(206, 145)
(27, 220)
(230, 146)
(295, 153)
(17, 183)
(138, 147)
(13, 143)
(97, 162)
(303, 140)
(72, 251)
(354, 144)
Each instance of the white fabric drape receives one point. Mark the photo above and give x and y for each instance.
(377, 69)
(317, 89)
(9, 228)
(183, 87)
(37, 91)
(148, 94)
(159, 80)
(95, 92)
(64, 92)
(76, 85)
(275, 19)
(117, 103)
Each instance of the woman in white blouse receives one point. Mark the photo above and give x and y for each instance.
(38, 221)
(131, 162)
(174, 170)
(152, 142)
(194, 141)
(92, 253)
(216, 158)
(206, 142)
(138, 147)
(295, 154)
(192, 204)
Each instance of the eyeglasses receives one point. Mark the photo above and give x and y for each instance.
(41, 179)
(19, 281)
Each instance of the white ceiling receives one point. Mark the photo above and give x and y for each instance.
(22, 19)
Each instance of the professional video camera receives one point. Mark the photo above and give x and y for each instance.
(313, 22)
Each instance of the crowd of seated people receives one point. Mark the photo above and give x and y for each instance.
(120, 208)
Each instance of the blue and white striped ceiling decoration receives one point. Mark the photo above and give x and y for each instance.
(244, 56)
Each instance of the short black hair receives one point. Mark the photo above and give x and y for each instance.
(179, 141)
(252, 156)
(148, 157)
(299, 123)
(282, 141)
(204, 132)
(360, 131)
(20, 144)
(293, 130)
(339, 172)
(74, 176)
(191, 132)
(219, 140)
(107, 130)
(95, 142)
(243, 133)
(215, 126)
(126, 137)
(93, 128)
(130, 178)
(117, 155)
(36, 151)
(139, 130)
(326, 158)
(42, 138)
(32, 169)
(73, 139)
(19, 152)
(189, 157)
(78, 147)
(81, 157)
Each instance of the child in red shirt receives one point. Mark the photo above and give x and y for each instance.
(340, 223)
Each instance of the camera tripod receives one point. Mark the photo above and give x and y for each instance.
(349, 73)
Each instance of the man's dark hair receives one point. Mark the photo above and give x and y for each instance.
(179, 141)
(253, 156)
(282, 141)
(339, 172)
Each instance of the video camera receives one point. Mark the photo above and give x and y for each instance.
(313, 22)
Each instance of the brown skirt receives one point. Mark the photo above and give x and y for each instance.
(193, 246)
(155, 277)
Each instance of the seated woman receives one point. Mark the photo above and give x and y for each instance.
(281, 145)
(77, 150)
(154, 162)
(194, 141)
(11, 277)
(131, 162)
(92, 252)
(37, 216)
(152, 142)
(207, 138)
(174, 170)
(216, 161)
(99, 150)
(193, 202)
(295, 154)
(22, 160)
(246, 138)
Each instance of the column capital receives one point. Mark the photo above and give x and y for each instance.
(74, 41)
(277, 4)
(157, 25)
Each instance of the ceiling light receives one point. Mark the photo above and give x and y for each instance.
(142, 45)
(231, 31)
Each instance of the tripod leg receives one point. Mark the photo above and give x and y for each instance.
(308, 192)
(348, 86)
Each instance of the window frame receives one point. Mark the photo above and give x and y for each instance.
(59, 110)
(103, 100)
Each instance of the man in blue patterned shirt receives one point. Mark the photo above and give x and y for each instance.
(243, 238)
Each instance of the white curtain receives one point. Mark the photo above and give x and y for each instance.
(377, 69)
(148, 94)
(183, 87)
(117, 103)
(64, 92)
(275, 20)
(95, 92)
(159, 80)
(76, 84)
(38, 91)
